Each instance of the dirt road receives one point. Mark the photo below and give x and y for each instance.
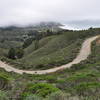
(83, 54)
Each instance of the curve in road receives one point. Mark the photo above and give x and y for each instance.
(83, 54)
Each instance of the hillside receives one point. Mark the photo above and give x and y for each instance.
(54, 50)
(80, 82)
(81, 56)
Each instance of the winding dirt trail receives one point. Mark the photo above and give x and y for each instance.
(83, 54)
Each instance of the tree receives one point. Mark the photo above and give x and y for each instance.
(12, 53)
(15, 53)
(36, 44)
(19, 53)
(28, 42)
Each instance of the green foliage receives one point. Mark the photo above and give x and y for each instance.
(12, 53)
(19, 53)
(32, 97)
(61, 96)
(27, 42)
(4, 96)
(10, 44)
(83, 86)
(82, 76)
(5, 81)
(41, 89)
(36, 44)
(15, 53)
(52, 51)
(55, 50)
(82, 79)
(87, 88)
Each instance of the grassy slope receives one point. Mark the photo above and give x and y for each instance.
(42, 42)
(8, 44)
(53, 50)
(3, 52)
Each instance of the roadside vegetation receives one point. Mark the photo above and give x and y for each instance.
(80, 82)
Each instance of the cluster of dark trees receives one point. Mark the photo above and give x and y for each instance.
(15, 53)
(27, 42)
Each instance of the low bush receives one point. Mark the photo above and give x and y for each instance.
(40, 89)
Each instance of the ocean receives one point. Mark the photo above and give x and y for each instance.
(81, 25)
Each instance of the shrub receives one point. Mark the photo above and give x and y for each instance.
(32, 97)
(27, 42)
(88, 89)
(41, 89)
(61, 96)
(15, 53)
(12, 53)
(3, 95)
(19, 53)
(4, 82)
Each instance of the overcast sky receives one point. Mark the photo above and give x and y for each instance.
(24, 12)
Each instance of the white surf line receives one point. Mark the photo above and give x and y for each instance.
(83, 54)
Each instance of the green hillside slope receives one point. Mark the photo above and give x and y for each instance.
(54, 50)
(80, 82)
